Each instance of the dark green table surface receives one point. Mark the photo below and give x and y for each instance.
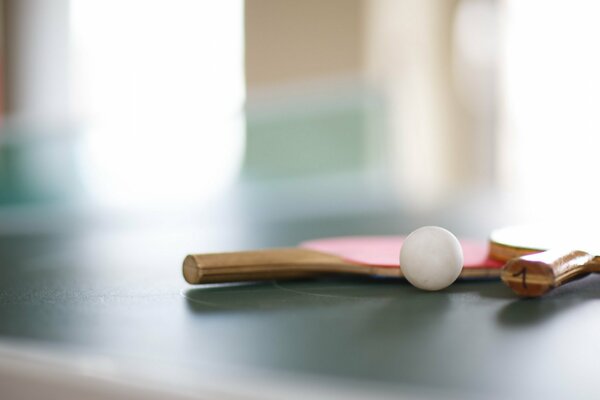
(115, 289)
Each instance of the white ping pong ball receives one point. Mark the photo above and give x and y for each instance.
(431, 258)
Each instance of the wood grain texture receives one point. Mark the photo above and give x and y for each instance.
(503, 252)
(536, 274)
(284, 263)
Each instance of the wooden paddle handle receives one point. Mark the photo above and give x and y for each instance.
(535, 274)
(285, 263)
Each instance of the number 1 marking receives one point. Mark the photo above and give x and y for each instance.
(524, 279)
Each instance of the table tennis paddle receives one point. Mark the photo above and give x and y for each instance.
(376, 256)
(539, 260)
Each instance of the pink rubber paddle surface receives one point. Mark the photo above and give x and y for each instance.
(384, 251)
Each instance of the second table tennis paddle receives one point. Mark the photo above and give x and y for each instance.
(538, 259)
(362, 255)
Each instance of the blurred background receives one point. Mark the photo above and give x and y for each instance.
(150, 109)
(134, 132)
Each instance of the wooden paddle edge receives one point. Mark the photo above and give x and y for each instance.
(503, 252)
